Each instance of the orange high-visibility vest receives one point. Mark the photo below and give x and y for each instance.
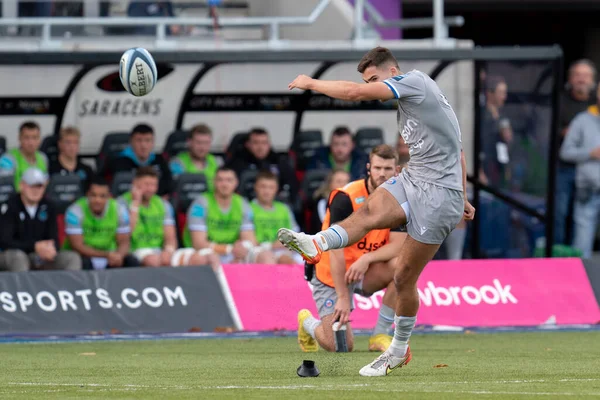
(358, 193)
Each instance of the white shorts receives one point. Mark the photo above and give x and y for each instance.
(140, 254)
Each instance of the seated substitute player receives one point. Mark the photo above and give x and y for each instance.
(269, 216)
(197, 159)
(221, 223)
(16, 161)
(429, 196)
(97, 227)
(364, 268)
(152, 223)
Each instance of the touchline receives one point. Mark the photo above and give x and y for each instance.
(497, 293)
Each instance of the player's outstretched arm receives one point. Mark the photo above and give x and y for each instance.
(344, 90)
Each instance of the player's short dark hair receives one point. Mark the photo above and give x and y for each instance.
(28, 125)
(225, 168)
(143, 172)
(257, 131)
(97, 180)
(200, 129)
(384, 151)
(266, 175)
(142, 129)
(341, 131)
(377, 57)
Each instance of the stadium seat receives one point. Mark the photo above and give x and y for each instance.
(312, 180)
(121, 183)
(236, 144)
(112, 144)
(246, 185)
(176, 143)
(304, 146)
(63, 190)
(7, 187)
(50, 147)
(368, 137)
(2, 145)
(60, 225)
(189, 187)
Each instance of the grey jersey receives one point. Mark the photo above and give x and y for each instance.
(430, 128)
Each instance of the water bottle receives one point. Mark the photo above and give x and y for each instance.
(339, 336)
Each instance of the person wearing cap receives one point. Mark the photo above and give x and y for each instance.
(16, 161)
(29, 234)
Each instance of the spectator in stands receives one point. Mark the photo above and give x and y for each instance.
(16, 161)
(336, 179)
(152, 223)
(493, 156)
(258, 155)
(269, 216)
(222, 222)
(29, 234)
(341, 153)
(197, 159)
(145, 8)
(67, 162)
(578, 95)
(97, 227)
(141, 153)
(582, 147)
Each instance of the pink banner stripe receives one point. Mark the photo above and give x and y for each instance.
(522, 292)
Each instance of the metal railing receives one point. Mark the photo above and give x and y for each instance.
(438, 23)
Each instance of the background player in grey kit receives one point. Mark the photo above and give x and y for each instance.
(429, 196)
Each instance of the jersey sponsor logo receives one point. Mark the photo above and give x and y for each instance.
(6, 163)
(71, 218)
(398, 78)
(359, 200)
(391, 181)
(423, 230)
(409, 129)
(197, 211)
(43, 215)
(370, 246)
(416, 146)
(328, 303)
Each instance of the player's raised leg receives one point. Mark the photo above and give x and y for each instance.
(381, 211)
(413, 258)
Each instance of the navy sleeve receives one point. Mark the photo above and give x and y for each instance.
(340, 208)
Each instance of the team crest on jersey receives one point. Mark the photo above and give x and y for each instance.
(359, 200)
(328, 303)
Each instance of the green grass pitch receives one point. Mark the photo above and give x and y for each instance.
(554, 365)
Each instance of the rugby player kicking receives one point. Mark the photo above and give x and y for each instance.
(429, 196)
(365, 267)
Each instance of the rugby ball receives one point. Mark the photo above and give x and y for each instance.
(138, 71)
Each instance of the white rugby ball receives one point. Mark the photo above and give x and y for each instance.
(138, 71)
